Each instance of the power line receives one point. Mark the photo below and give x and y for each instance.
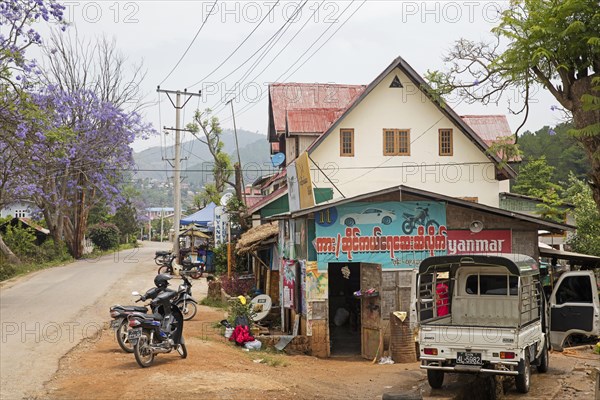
(190, 45)
(237, 48)
(251, 105)
(286, 25)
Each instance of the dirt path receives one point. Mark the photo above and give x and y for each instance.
(216, 369)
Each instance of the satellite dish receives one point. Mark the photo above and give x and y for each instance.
(277, 159)
(261, 305)
(225, 198)
(476, 226)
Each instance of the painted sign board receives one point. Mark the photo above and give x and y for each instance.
(305, 188)
(221, 219)
(293, 189)
(393, 234)
(486, 242)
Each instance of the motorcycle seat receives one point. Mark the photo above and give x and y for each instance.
(132, 308)
(162, 253)
(155, 316)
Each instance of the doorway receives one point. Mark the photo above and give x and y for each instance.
(344, 309)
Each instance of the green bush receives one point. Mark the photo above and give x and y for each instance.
(104, 235)
(7, 271)
(48, 251)
(21, 241)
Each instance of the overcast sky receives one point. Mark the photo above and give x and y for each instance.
(372, 35)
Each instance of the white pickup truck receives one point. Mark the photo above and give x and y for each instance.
(488, 314)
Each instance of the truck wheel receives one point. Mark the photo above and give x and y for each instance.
(523, 380)
(435, 378)
(544, 359)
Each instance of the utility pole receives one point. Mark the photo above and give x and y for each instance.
(237, 150)
(177, 162)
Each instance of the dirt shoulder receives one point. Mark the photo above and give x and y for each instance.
(216, 369)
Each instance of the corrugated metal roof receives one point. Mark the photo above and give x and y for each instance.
(488, 127)
(267, 199)
(312, 120)
(285, 97)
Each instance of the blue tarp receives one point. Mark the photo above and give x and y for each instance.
(204, 217)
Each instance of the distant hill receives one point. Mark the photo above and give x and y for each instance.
(254, 150)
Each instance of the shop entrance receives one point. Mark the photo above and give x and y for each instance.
(344, 309)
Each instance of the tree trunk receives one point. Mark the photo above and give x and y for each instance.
(591, 143)
(11, 257)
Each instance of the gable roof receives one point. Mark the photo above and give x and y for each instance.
(321, 103)
(445, 109)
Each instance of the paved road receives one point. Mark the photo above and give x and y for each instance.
(45, 315)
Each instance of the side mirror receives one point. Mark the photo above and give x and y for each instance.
(135, 293)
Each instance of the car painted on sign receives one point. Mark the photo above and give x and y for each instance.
(368, 216)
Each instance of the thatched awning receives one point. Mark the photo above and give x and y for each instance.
(255, 237)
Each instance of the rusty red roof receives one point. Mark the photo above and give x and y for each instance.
(488, 127)
(312, 120)
(320, 103)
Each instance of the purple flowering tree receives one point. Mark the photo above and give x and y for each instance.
(18, 19)
(65, 145)
(77, 154)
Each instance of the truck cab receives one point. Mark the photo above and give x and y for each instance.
(488, 314)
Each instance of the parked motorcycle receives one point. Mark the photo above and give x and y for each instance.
(184, 300)
(195, 269)
(420, 218)
(162, 257)
(120, 313)
(156, 333)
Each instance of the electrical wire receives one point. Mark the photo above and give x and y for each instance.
(237, 48)
(190, 45)
(286, 25)
(249, 106)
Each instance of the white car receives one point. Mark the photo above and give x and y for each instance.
(368, 216)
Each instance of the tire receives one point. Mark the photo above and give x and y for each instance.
(349, 221)
(143, 354)
(182, 350)
(523, 380)
(544, 360)
(165, 269)
(190, 311)
(435, 378)
(196, 273)
(121, 334)
(407, 227)
(159, 260)
(432, 222)
(386, 220)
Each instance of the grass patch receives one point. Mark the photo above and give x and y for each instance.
(270, 357)
(214, 303)
(8, 271)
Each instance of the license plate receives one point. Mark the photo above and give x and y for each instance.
(115, 323)
(468, 358)
(133, 335)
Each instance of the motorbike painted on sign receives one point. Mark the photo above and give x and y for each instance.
(420, 218)
(120, 313)
(157, 333)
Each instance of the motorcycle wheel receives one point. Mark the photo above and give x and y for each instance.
(407, 227)
(142, 351)
(158, 260)
(189, 311)
(182, 350)
(121, 334)
(165, 269)
(196, 273)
